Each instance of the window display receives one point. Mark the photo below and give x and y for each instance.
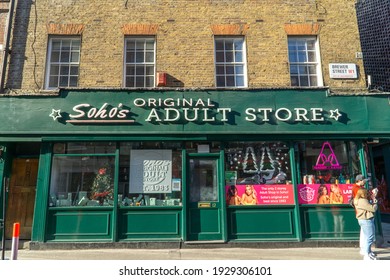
(150, 174)
(328, 169)
(82, 181)
(258, 173)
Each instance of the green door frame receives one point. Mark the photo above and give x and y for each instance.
(221, 191)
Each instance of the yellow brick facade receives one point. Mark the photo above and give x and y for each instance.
(184, 33)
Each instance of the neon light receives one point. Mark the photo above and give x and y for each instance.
(326, 162)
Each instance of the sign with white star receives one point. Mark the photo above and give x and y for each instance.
(335, 114)
(55, 114)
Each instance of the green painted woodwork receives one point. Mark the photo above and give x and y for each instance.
(329, 222)
(360, 115)
(255, 223)
(204, 224)
(140, 223)
(92, 223)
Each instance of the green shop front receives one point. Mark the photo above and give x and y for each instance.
(201, 166)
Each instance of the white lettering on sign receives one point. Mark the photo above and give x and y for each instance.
(284, 114)
(182, 110)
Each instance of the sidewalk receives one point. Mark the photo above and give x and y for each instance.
(318, 253)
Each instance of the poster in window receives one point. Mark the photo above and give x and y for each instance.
(150, 171)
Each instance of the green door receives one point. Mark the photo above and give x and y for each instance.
(204, 202)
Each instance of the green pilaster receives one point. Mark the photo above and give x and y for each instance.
(296, 210)
(43, 182)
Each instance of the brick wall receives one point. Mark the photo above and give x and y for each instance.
(184, 32)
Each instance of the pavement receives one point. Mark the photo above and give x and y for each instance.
(308, 253)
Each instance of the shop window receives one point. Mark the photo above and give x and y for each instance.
(63, 62)
(150, 174)
(82, 174)
(82, 180)
(139, 67)
(327, 171)
(258, 173)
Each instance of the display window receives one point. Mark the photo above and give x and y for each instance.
(82, 174)
(327, 171)
(150, 174)
(258, 173)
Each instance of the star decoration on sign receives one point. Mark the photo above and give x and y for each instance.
(55, 114)
(335, 114)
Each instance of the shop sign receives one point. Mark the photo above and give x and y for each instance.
(184, 110)
(150, 171)
(342, 71)
(308, 193)
(327, 159)
(278, 194)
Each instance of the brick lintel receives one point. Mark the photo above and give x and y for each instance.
(302, 29)
(65, 29)
(139, 29)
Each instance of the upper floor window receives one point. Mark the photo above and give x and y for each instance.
(63, 62)
(230, 62)
(304, 58)
(139, 68)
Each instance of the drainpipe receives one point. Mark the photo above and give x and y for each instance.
(6, 48)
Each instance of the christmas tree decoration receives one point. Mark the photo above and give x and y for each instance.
(102, 186)
(249, 163)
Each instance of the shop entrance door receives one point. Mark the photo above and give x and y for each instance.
(21, 197)
(205, 207)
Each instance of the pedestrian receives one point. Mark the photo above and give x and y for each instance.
(360, 182)
(365, 212)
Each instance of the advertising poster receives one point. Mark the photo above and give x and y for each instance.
(324, 193)
(259, 194)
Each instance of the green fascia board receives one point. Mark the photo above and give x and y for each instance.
(213, 112)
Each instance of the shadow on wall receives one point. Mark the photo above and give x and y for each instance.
(19, 47)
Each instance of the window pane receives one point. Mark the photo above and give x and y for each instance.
(139, 45)
(293, 69)
(53, 81)
(130, 70)
(311, 56)
(54, 70)
(240, 81)
(140, 70)
(149, 57)
(302, 57)
(313, 81)
(292, 57)
(64, 57)
(220, 57)
(129, 82)
(150, 45)
(149, 81)
(312, 69)
(63, 81)
(220, 70)
(56, 45)
(301, 45)
(73, 81)
(239, 57)
(303, 81)
(139, 82)
(302, 70)
(130, 45)
(311, 44)
(238, 45)
(149, 70)
(229, 57)
(294, 81)
(219, 45)
(64, 70)
(130, 57)
(228, 45)
(239, 70)
(75, 45)
(66, 45)
(139, 57)
(55, 56)
(230, 81)
(221, 81)
(230, 70)
(75, 57)
(74, 70)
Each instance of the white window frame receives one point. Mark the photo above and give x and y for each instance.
(140, 65)
(230, 62)
(63, 65)
(300, 64)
